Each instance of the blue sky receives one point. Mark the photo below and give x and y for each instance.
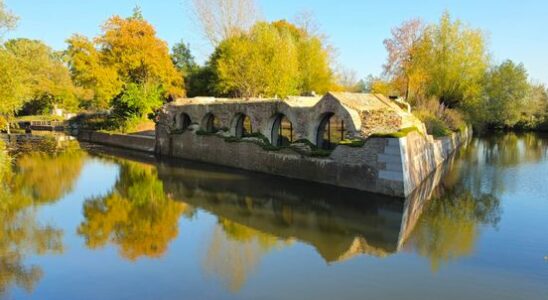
(517, 30)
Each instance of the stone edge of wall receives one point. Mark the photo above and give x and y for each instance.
(423, 155)
(131, 142)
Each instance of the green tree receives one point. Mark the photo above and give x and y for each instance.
(456, 62)
(183, 59)
(506, 88)
(261, 63)
(272, 59)
(13, 93)
(46, 77)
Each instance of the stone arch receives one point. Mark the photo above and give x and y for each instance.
(242, 125)
(282, 132)
(184, 121)
(330, 131)
(210, 123)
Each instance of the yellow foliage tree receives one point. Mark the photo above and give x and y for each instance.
(127, 53)
(277, 59)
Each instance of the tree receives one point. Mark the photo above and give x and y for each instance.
(131, 46)
(8, 20)
(348, 80)
(273, 59)
(13, 93)
(457, 61)
(12, 90)
(261, 63)
(405, 52)
(127, 68)
(99, 80)
(224, 19)
(183, 59)
(47, 78)
(506, 89)
(315, 74)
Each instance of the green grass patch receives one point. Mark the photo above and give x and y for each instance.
(399, 134)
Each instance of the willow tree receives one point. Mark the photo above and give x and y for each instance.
(456, 62)
(313, 56)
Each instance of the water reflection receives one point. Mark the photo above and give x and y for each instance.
(138, 215)
(154, 202)
(29, 179)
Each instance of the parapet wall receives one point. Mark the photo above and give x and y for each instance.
(131, 142)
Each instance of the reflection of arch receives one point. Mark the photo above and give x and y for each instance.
(184, 121)
(210, 123)
(242, 126)
(331, 131)
(282, 131)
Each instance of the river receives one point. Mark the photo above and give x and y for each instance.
(80, 221)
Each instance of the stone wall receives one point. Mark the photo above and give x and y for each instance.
(390, 166)
(132, 142)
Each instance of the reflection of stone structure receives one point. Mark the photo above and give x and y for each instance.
(295, 138)
(339, 223)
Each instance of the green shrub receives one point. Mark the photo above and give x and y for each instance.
(439, 120)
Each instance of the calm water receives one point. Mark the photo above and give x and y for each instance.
(85, 222)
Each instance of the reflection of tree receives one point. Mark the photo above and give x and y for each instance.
(137, 215)
(235, 251)
(48, 176)
(449, 227)
(20, 193)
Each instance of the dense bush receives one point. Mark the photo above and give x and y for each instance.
(439, 120)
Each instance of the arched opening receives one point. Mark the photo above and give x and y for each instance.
(243, 126)
(331, 131)
(184, 121)
(211, 123)
(282, 131)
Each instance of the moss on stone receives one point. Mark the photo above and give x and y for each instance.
(356, 143)
(399, 134)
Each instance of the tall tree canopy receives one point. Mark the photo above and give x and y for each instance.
(47, 78)
(506, 89)
(224, 19)
(272, 59)
(446, 60)
(127, 53)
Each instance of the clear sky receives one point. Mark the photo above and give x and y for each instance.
(517, 29)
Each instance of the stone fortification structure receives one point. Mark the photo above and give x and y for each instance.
(361, 141)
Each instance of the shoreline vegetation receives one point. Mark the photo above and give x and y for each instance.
(117, 81)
